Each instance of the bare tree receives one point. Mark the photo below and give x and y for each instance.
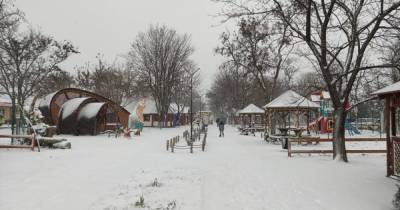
(232, 90)
(158, 58)
(56, 80)
(112, 81)
(26, 60)
(337, 32)
(261, 49)
(9, 16)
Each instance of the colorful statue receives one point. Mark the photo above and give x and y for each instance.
(136, 118)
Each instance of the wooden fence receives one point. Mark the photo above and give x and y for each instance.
(32, 137)
(309, 140)
(172, 144)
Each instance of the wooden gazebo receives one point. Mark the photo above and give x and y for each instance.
(391, 95)
(289, 102)
(251, 113)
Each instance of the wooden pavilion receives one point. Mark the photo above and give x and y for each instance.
(251, 114)
(391, 95)
(289, 103)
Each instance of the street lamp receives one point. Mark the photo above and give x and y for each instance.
(191, 103)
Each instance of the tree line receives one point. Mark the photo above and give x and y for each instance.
(158, 65)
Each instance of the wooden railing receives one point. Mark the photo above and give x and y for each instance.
(172, 144)
(31, 137)
(309, 140)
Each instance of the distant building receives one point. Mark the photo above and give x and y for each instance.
(176, 116)
(5, 108)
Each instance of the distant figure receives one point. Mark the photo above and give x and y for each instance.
(221, 128)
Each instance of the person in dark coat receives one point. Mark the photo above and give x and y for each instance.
(221, 128)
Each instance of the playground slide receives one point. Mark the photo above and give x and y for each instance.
(315, 122)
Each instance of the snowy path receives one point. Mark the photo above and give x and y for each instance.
(235, 172)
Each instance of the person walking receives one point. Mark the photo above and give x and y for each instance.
(221, 128)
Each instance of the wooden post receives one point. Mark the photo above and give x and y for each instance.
(191, 147)
(389, 162)
(167, 145)
(33, 142)
(289, 147)
(172, 145)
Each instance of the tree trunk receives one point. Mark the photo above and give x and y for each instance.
(339, 147)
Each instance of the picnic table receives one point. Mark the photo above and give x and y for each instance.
(285, 131)
(298, 131)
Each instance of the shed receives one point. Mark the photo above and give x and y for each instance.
(251, 113)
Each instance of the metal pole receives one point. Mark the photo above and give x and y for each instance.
(201, 119)
(191, 108)
(13, 117)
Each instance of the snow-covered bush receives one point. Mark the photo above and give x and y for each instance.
(140, 202)
(396, 199)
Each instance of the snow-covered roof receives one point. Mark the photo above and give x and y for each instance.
(395, 87)
(325, 95)
(90, 110)
(315, 98)
(47, 99)
(251, 109)
(150, 107)
(70, 106)
(291, 99)
(5, 98)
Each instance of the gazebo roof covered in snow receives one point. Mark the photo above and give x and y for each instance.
(393, 88)
(251, 109)
(291, 100)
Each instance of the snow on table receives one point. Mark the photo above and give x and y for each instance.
(235, 172)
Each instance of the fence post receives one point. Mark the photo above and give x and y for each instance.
(191, 147)
(172, 145)
(289, 147)
(167, 145)
(33, 142)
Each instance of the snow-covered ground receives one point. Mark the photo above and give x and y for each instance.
(235, 172)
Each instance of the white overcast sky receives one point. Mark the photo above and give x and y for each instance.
(109, 26)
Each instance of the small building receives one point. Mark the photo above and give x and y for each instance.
(281, 109)
(391, 96)
(5, 111)
(251, 114)
(177, 115)
(205, 116)
(75, 111)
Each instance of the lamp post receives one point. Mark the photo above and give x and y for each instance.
(191, 107)
(191, 103)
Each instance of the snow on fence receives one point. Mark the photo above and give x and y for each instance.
(309, 140)
(31, 137)
(173, 142)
